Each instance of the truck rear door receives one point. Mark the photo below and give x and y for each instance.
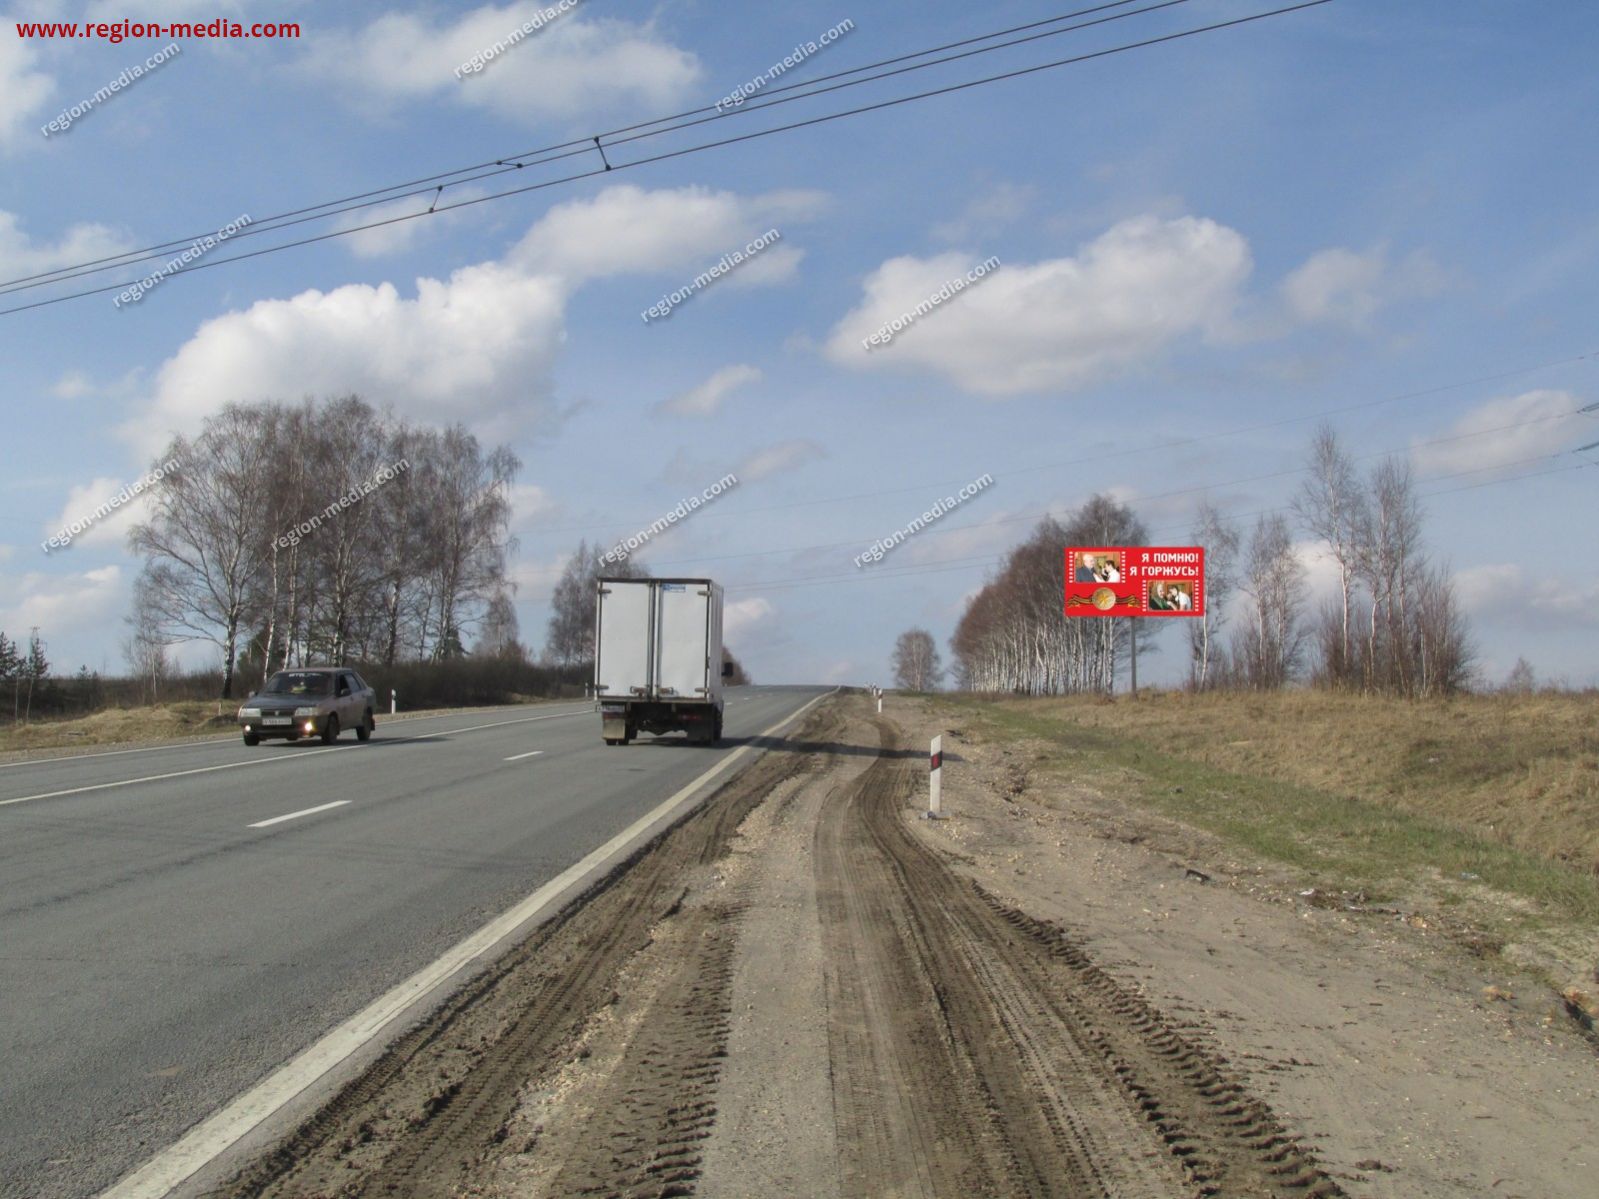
(682, 629)
(622, 653)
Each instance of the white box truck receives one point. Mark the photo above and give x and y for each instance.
(658, 658)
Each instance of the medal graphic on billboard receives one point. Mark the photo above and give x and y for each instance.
(1135, 580)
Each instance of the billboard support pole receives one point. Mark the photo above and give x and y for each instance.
(1132, 636)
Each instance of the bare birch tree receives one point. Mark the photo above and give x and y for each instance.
(915, 662)
(1331, 507)
(203, 542)
(1219, 537)
(1269, 648)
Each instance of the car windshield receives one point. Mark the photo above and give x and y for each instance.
(299, 682)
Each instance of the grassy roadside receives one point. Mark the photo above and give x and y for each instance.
(1411, 840)
(116, 726)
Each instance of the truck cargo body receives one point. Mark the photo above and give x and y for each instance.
(658, 658)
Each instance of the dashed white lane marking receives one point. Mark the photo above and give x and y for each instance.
(532, 754)
(337, 803)
(278, 761)
(199, 743)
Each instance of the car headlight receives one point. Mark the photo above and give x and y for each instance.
(305, 712)
(249, 713)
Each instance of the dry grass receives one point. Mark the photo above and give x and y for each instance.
(1519, 769)
(119, 725)
(1483, 810)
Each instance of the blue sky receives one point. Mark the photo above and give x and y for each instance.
(1220, 238)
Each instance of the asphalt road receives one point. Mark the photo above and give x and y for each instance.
(172, 928)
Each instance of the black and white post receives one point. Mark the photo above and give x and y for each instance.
(936, 771)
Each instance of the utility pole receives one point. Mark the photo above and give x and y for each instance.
(1132, 636)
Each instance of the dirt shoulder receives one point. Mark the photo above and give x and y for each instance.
(1419, 1060)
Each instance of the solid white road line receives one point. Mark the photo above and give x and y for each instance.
(221, 1130)
(226, 739)
(156, 778)
(535, 753)
(337, 803)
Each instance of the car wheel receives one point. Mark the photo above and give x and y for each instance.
(330, 731)
(251, 739)
(364, 733)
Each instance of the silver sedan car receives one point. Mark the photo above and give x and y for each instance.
(312, 701)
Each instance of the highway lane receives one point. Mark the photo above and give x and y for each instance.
(175, 924)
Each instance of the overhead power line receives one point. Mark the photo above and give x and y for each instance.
(428, 184)
(610, 167)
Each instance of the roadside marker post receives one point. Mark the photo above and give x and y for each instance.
(394, 701)
(936, 771)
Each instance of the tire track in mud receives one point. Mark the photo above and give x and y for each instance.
(977, 1051)
(650, 1120)
(435, 1107)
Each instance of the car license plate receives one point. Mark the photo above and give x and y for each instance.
(276, 719)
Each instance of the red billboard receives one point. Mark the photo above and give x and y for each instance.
(1135, 580)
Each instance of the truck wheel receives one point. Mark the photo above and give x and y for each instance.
(612, 741)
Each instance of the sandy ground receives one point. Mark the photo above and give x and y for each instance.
(808, 990)
(1415, 1068)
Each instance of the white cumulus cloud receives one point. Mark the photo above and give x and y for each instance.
(1348, 287)
(22, 255)
(84, 501)
(574, 65)
(68, 610)
(741, 617)
(477, 346)
(628, 230)
(24, 91)
(1504, 432)
(775, 459)
(705, 399)
(1512, 594)
(1059, 324)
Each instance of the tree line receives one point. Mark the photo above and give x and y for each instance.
(399, 573)
(24, 670)
(1395, 626)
